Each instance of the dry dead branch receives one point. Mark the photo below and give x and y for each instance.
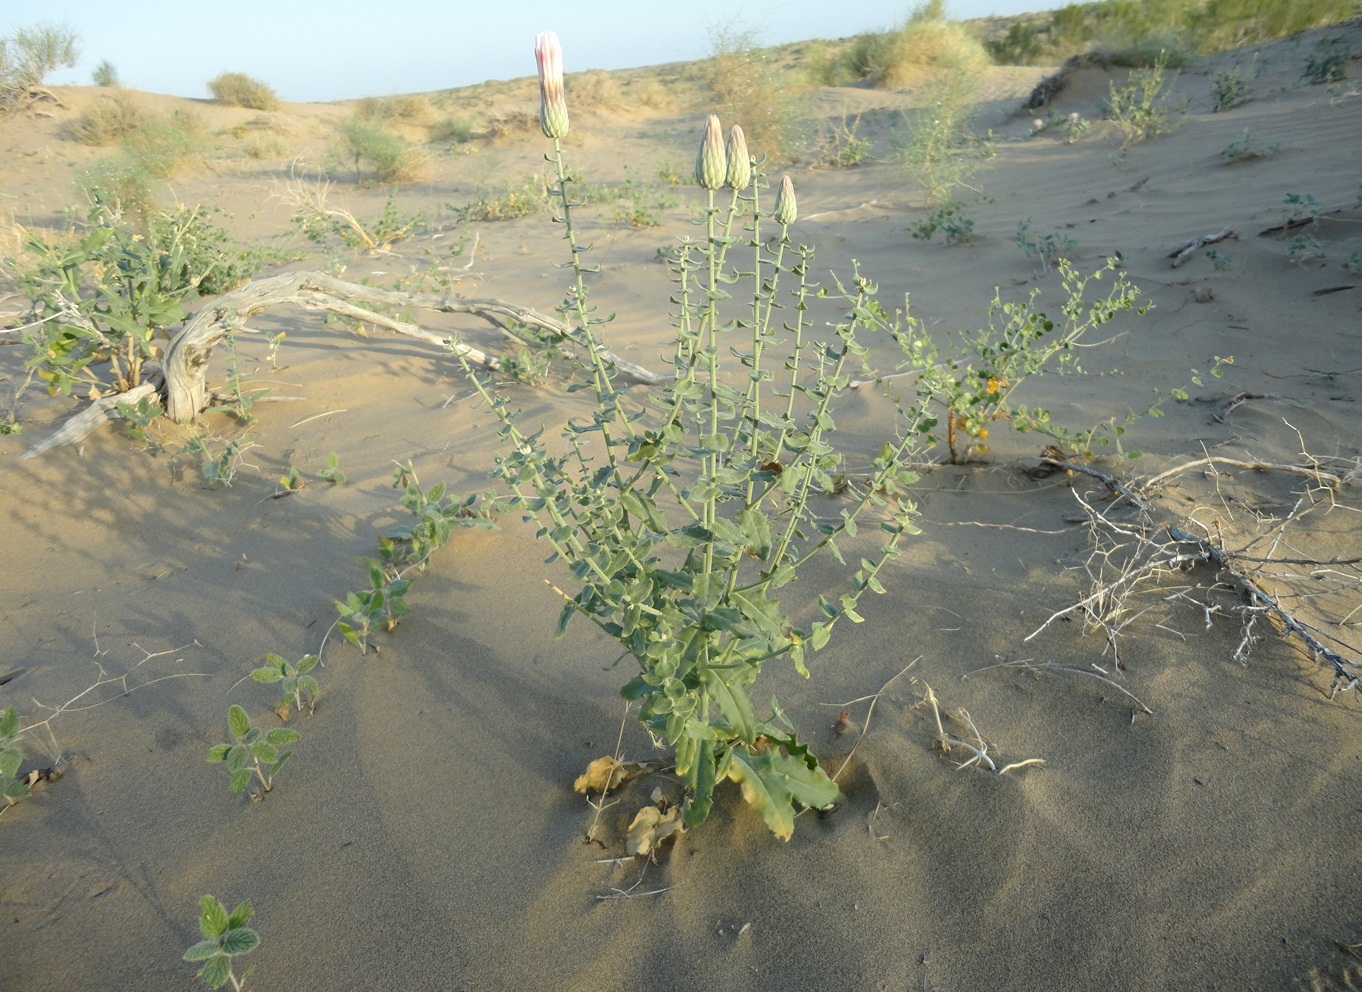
(1280, 584)
(181, 382)
(1188, 248)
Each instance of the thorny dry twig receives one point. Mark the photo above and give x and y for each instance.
(1279, 581)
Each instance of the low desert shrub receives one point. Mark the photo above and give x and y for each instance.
(508, 200)
(743, 83)
(930, 45)
(950, 219)
(105, 75)
(684, 523)
(1328, 63)
(163, 143)
(451, 131)
(107, 121)
(374, 152)
(236, 89)
(594, 89)
(1230, 88)
(1243, 150)
(1140, 109)
(411, 109)
(29, 56)
(937, 145)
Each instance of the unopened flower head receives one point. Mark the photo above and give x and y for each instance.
(553, 113)
(786, 211)
(711, 165)
(739, 163)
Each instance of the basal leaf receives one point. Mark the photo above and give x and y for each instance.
(702, 799)
(734, 704)
(266, 675)
(214, 974)
(9, 723)
(10, 759)
(240, 779)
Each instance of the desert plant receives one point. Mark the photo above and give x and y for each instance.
(389, 157)
(1230, 88)
(1328, 63)
(840, 145)
(332, 472)
(1219, 259)
(742, 82)
(1242, 150)
(383, 602)
(1303, 248)
(225, 936)
(450, 131)
(507, 200)
(105, 75)
(950, 219)
(107, 121)
(937, 145)
(1299, 210)
(12, 789)
(236, 89)
(1050, 248)
(252, 752)
(294, 680)
(1021, 45)
(1140, 108)
(930, 46)
(28, 57)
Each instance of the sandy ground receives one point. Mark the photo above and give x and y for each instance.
(426, 835)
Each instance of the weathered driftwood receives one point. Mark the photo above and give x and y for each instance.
(1188, 248)
(181, 381)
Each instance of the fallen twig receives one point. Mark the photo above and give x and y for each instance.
(1188, 248)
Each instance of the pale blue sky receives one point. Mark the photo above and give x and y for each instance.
(318, 50)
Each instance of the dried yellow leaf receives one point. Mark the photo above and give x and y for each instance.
(652, 828)
(606, 773)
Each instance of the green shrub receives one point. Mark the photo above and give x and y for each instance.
(369, 146)
(1140, 109)
(1328, 63)
(406, 108)
(506, 201)
(105, 75)
(236, 89)
(1021, 45)
(451, 131)
(161, 144)
(937, 145)
(1230, 88)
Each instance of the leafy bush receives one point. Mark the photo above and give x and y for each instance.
(105, 75)
(236, 89)
(406, 108)
(104, 294)
(1021, 45)
(1140, 109)
(387, 156)
(1230, 88)
(161, 144)
(451, 131)
(1328, 63)
(1242, 150)
(506, 201)
(937, 145)
(951, 220)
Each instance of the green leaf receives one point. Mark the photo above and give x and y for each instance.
(212, 917)
(283, 760)
(241, 915)
(218, 752)
(307, 663)
(9, 723)
(238, 722)
(265, 751)
(266, 675)
(202, 951)
(240, 940)
(216, 972)
(700, 803)
(772, 782)
(15, 790)
(240, 779)
(281, 736)
(735, 705)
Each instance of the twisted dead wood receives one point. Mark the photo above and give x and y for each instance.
(181, 382)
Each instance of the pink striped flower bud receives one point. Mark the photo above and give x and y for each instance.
(553, 113)
(739, 162)
(711, 165)
(786, 211)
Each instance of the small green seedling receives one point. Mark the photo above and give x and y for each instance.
(289, 483)
(1050, 248)
(253, 752)
(295, 682)
(950, 219)
(332, 472)
(385, 600)
(225, 937)
(10, 785)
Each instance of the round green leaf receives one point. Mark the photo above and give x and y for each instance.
(202, 951)
(238, 722)
(212, 917)
(241, 940)
(214, 974)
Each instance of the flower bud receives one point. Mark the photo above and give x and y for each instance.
(786, 211)
(711, 165)
(739, 163)
(553, 114)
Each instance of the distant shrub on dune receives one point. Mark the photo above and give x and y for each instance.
(450, 131)
(594, 89)
(105, 75)
(405, 108)
(928, 44)
(743, 85)
(373, 149)
(107, 121)
(236, 89)
(164, 143)
(29, 56)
